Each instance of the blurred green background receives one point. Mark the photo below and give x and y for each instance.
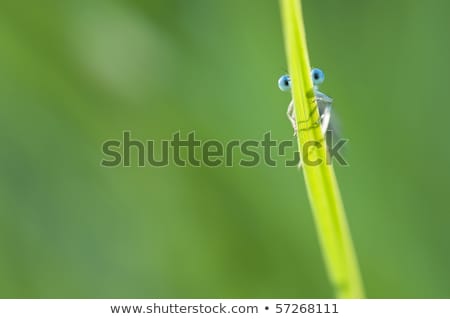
(76, 73)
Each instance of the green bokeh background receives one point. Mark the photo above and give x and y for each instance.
(76, 73)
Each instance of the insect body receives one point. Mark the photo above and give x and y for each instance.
(324, 102)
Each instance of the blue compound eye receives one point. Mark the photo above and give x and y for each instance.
(284, 83)
(317, 76)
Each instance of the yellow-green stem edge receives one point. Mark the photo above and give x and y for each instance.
(323, 190)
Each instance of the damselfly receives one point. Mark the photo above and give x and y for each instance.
(324, 102)
(326, 121)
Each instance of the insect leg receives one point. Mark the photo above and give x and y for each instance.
(325, 118)
(291, 116)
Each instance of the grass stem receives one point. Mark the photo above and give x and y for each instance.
(321, 183)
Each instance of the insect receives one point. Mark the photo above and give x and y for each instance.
(324, 102)
(326, 121)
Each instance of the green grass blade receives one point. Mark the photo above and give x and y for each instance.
(321, 183)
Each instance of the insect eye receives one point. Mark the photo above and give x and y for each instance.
(317, 76)
(284, 83)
